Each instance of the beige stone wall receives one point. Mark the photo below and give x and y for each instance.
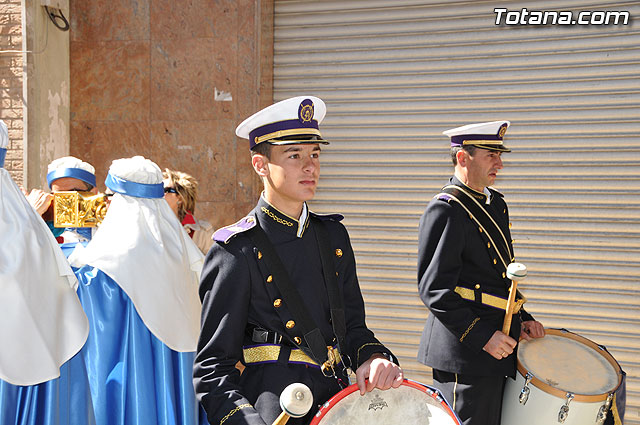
(11, 64)
(46, 93)
(146, 76)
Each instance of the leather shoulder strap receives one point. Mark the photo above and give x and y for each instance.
(312, 335)
(483, 219)
(336, 299)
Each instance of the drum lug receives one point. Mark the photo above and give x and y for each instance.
(602, 413)
(524, 393)
(564, 410)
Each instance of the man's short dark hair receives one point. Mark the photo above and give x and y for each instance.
(263, 148)
(470, 149)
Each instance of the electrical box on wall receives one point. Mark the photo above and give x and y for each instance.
(62, 5)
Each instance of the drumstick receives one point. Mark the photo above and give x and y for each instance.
(295, 402)
(516, 272)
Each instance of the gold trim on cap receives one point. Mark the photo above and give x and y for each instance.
(482, 142)
(285, 133)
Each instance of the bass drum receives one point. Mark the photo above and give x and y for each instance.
(562, 378)
(411, 403)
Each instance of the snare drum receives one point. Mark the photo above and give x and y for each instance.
(411, 403)
(562, 378)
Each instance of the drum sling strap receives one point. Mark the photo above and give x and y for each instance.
(336, 299)
(485, 221)
(316, 347)
(487, 224)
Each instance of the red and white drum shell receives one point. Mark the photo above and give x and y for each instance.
(569, 381)
(411, 403)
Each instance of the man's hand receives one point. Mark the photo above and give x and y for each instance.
(382, 374)
(531, 329)
(500, 345)
(39, 200)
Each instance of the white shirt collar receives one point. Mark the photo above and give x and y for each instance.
(489, 195)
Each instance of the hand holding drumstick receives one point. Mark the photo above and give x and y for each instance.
(501, 345)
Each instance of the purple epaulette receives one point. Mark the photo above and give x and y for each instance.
(224, 234)
(326, 217)
(443, 197)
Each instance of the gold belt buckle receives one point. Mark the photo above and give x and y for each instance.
(78, 209)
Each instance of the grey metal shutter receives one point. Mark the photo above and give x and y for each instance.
(395, 74)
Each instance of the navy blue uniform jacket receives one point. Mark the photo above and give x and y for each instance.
(454, 252)
(236, 293)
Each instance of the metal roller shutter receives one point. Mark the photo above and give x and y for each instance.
(395, 74)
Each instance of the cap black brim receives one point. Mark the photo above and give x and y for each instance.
(297, 142)
(495, 148)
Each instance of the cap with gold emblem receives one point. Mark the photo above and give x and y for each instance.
(484, 135)
(290, 121)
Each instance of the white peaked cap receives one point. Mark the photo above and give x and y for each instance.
(484, 135)
(296, 116)
(490, 127)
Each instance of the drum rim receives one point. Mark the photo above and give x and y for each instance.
(326, 407)
(562, 394)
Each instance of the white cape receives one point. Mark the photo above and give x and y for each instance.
(42, 324)
(144, 249)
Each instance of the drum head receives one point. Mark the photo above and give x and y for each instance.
(569, 363)
(411, 403)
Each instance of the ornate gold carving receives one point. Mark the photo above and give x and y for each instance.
(78, 209)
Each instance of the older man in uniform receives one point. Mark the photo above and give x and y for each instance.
(279, 287)
(463, 252)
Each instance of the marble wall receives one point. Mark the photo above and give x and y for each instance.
(145, 78)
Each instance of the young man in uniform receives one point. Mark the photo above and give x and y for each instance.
(279, 287)
(463, 251)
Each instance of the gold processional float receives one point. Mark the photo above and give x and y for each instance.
(78, 209)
